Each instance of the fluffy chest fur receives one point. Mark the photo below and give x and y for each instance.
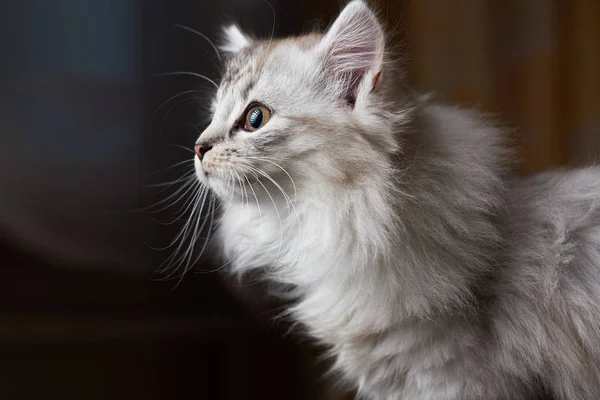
(318, 248)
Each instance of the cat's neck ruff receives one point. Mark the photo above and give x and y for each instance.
(329, 250)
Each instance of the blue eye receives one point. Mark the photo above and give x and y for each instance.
(256, 117)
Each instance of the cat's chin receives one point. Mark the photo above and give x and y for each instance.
(218, 187)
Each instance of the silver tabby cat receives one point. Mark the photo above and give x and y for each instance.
(410, 250)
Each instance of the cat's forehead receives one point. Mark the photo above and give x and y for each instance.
(264, 57)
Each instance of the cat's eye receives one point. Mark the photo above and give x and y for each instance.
(256, 117)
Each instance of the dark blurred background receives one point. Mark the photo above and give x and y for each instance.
(84, 129)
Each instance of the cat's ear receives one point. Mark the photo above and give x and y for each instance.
(234, 40)
(353, 49)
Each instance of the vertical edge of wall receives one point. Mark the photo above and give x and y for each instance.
(544, 143)
(582, 72)
(432, 35)
(474, 77)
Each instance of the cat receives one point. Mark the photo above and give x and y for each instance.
(395, 223)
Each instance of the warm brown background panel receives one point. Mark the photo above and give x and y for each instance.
(534, 64)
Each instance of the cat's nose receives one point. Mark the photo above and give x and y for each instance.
(201, 148)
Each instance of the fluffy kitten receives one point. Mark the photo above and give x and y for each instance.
(410, 250)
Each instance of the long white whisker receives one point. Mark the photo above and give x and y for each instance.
(187, 73)
(231, 259)
(184, 208)
(183, 233)
(286, 197)
(202, 36)
(189, 185)
(244, 195)
(184, 148)
(273, 25)
(171, 167)
(186, 177)
(194, 199)
(198, 202)
(281, 168)
(276, 211)
(181, 211)
(272, 33)
(230, 184)
(256, 198)
(190, 250)
(207, 239)
(173, 259)
(161, 130)
(176, 96)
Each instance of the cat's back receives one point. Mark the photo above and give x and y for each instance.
(563, 205)
(548, 316)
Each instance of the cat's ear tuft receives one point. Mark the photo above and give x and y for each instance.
(354, 46)
(234, 40)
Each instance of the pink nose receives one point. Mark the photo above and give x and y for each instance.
(201, 149)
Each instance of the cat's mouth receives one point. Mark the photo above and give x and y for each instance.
(201, 173)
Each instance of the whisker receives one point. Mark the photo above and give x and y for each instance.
(176, 96)
(195, 198)
(169, 261)
(184, 148)
(185, 177)
(281, 168)
(174, 240)
(171, 167)
(255, 197)
(245, 233)
(174, 259)
(276, 211)
(164, 122)
(286, 197)
(182, 210)
(273, 25)
(168, 198)
(202, 36)
(222, 266)
(174, 105)
(272, 34)
(177, 262)
(228, 206)
(187, 73)
(190, 251)
(207, 239)
(189, 264)
(197, 130)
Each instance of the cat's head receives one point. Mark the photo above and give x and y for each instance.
(311, 109)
